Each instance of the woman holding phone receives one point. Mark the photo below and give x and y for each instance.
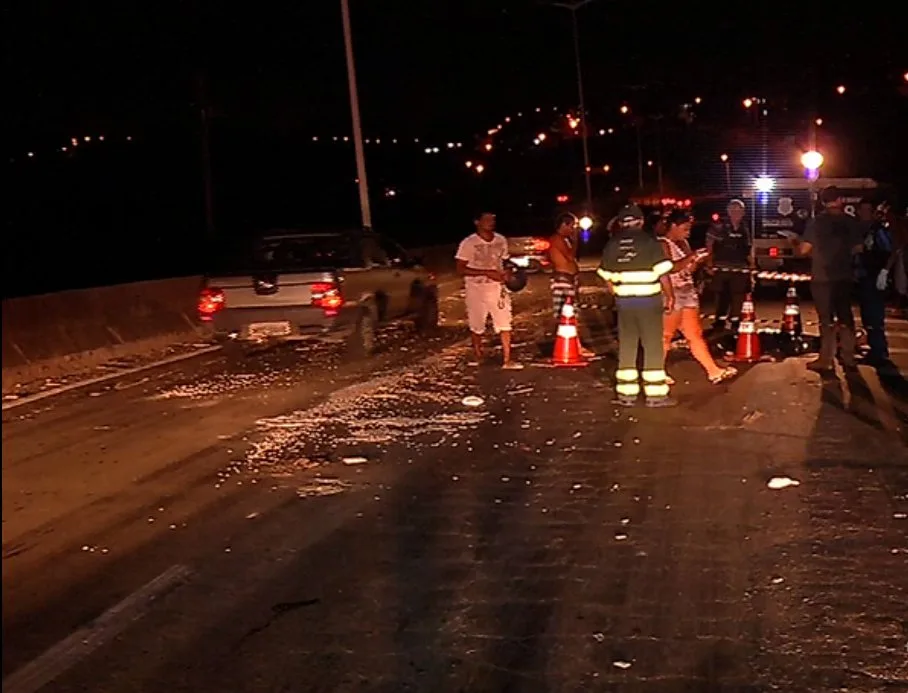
(686, 314)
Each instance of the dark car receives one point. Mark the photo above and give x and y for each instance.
(291, 285)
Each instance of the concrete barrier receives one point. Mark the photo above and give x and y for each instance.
(51, 335)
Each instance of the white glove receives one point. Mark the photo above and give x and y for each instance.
(882, 279)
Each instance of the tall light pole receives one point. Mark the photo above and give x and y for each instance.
(573, 7)
(357, 126)
(727, 163)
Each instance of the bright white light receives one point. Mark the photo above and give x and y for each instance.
(764, 184)
(586, 223)
(811, 160)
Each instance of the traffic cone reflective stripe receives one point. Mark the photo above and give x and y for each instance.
(748, 346)
(567, 340)
(791, 316)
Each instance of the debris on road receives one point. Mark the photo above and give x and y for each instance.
(473, 401)
(780, 482)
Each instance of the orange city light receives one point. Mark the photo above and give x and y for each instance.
(479, 168)
(748, 103)
(488, 147)
(840, 89)
(625, 110)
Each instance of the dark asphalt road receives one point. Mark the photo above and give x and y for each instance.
(310, 525)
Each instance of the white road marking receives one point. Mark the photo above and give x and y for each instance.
(104, 378)
(68, 652)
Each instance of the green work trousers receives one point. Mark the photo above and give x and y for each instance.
(640, 324)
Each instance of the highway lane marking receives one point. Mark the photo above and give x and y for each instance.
(38, 396)
(68, 652)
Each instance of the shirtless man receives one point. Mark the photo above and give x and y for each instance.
(565, 281)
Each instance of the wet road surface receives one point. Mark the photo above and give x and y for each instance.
(306, 524)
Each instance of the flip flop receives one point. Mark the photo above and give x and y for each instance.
(726, 374)
(513, 366)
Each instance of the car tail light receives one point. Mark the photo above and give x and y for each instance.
(773, 252)
(327, 296)
(541, 245)
(210, 302)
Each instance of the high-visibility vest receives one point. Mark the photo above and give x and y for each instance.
(633, 262)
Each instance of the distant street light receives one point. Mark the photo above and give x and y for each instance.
(748, 103)
(840, 89)
(586, 223)
(727, 164)
(812, 160)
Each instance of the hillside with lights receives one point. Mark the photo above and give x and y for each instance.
(126, 205)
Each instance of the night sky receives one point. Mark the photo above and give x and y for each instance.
(273, 76)
(423, 64)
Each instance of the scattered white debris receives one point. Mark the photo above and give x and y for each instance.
(354, 460)
(900, 516)
(621, 664)
(322, 487)
(620, 536)
(778, 580)
(473, 401)
(780, 482)
(252, 516)
(598, 637)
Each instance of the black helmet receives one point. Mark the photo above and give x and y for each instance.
(517, 278)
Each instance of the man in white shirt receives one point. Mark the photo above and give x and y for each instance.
(480, 261)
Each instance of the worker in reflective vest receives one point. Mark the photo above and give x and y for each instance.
(636, 270)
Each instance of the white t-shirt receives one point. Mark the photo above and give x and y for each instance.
(482, 255)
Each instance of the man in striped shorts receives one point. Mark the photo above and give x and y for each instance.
(565, 282)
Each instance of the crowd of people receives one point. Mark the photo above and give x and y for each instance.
(657, 279)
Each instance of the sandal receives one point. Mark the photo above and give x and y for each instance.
(725, 374)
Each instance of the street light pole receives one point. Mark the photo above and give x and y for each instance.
(357, 126)
(584, 131)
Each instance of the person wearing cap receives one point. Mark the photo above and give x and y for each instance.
(636, 270)
(831, 240)
(729, 246)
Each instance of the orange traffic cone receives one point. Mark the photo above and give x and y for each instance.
(791, 317)
(567, 341)
(748, 349)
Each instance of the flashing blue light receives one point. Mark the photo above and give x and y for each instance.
(764, 198)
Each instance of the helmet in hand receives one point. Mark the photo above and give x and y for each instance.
(517, 277)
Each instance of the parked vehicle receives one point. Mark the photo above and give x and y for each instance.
(291, 285)
(788, 207)
(530, 252)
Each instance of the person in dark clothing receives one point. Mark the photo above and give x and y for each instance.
(872, 270)
(729, 246)
(831, 239)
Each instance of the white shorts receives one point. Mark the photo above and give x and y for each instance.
(484, 300)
